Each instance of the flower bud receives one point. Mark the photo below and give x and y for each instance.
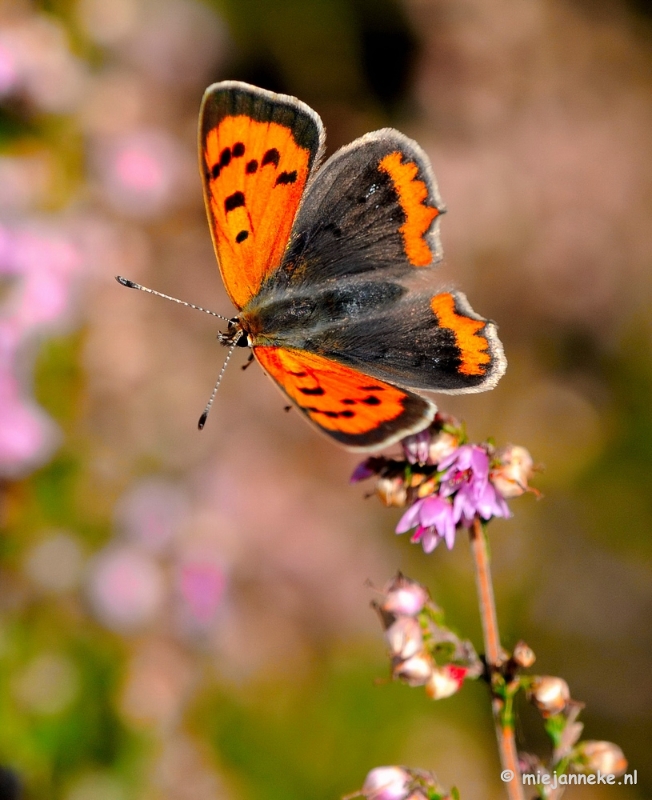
(442, 445)
(416, 447)
(392, 491)
(549, 694)
(404, 638)
(523, 655)
(404, 597)
(513, 472)
(604, 757)
(445, 681)
(414, 671)
(387, 783)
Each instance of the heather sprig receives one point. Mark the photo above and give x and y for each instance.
(447, 484)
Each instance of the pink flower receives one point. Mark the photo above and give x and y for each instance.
(433, 518)
(127, 588)
(445, 681)
(387, 783)
(466, 475)
(417, 446)
(202, 586)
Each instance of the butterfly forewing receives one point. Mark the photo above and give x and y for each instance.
(256, 151)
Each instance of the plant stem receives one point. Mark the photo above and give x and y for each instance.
(501, 705)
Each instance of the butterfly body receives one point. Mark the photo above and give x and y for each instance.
(328, 268)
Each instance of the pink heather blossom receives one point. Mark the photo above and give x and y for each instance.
(142, 172)
(417, 446)
(152, 513)
(404, 597)
(387, 783)
(202, 586)
(445, 681)
(466, 475)
(127, 588)
(42, 264)
(433, 518)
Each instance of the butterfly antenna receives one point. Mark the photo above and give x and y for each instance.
(204, 416)
(132, 285)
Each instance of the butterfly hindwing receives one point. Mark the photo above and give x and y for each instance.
(432, 342)
(256, 151)
(356, 410)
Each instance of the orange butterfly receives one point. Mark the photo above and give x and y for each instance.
(321, 265)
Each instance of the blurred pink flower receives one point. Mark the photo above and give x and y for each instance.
(151, 513)
(202, 586)
(36, 60)
(40, 263)
(27, 435)
(387, 783)
(142, 172)
(126, 588)
(8, 70)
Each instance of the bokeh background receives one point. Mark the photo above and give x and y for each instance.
(186, 615)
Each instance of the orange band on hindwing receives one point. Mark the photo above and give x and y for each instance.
(473, 347)
(412, 194)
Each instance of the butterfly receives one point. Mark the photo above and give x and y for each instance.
(326, 266)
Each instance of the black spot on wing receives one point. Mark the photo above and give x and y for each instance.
(234, 201)
(286, 177)
(272, 156)
(215, 171)
(225, 157)
(242, 236)
(316, 391)
(251, 167)
(238, 149)
(372, 400)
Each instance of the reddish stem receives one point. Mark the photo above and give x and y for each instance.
(494, 658)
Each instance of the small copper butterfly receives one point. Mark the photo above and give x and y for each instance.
(322, 263)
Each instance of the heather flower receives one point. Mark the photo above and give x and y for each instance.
(202, 586)
(514, 468)
(400, 783)
(549, 694)
(404, 638)
(445, 681)
(466, 475)
(392, 491)
(414, 671)
(433, 519)
(126, 589)
(417, 447)
(387, 783)
(605, 757)
(404, 596)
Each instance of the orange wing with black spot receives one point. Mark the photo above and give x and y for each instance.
(356, 410)
(256, 152)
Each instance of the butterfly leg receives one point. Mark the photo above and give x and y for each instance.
(249, 360)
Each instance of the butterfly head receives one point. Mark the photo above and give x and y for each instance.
(235, 335)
